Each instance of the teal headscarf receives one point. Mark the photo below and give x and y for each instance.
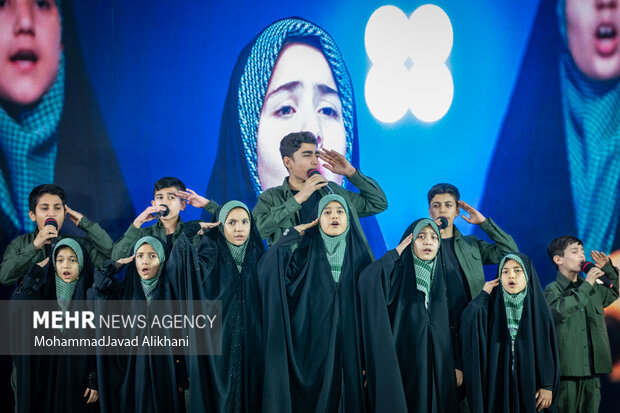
(513, 302)
(335, 247)
(237, 251)
(29, 145)
(424, 270)
(65, 290)
(148, 286)
(592, 124)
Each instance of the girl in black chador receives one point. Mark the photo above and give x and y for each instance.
(311, 329)
(143, 382)
(510, 355)
(229, 253)
(406, 328)
(61, 382)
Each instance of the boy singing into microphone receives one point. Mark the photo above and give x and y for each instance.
(577, 306)
(48, 207)
(296, 200)
(170, 197)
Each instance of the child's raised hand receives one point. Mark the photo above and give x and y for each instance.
(490, 285)
(404, 244)
(124, 261)
(303, 227)
(73, 215)
(475, 217)
(600, 258)
(44, 262)
(193, 198)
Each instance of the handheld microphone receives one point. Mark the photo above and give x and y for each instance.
(52, 223)
(164, 213)
(587, 266)
(326, 190)
(443, 223)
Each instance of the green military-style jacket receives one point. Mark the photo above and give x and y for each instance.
(20, 254)
(277, 209)
(472, 252)
(124, 246)
(577, 312)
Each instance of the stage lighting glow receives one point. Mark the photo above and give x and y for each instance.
(408, 58)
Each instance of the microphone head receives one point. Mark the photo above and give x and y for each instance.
(52, 222)
(312, 172)
(165, 212)
(587, 266)
(443, 222)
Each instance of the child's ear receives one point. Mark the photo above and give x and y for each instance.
(153, 203)
(33, 217)
(557, 260)
(288, 163)
(183, 204)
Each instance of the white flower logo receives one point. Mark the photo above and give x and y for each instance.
(408, 58)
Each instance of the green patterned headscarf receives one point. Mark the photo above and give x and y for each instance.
(29, 145)
(424, 270)
(513, 302)
(237, 251)
(592, 126)
(149, 286)
(335, 247)
(65, 290)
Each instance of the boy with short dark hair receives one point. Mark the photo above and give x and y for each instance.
(170, 197)
(47, 203)
(464, 256)
(295, 202)
(577, 306)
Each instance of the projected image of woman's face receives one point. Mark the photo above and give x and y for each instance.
(592, 29)
(302, 96)
(30, 48)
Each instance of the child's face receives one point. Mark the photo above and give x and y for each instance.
(444, 205)
(30, 48)
(334, 219)
(304, 159)
(237, 226)
(166, 196)
(426, 244)
(513, 277)
(67, 266)
(573, 259)
(49, 206)
(147, 262)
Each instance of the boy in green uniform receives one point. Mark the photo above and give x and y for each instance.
(577, 306)
(296, 200)
(463, 258)
(47, 202)
(169, 199)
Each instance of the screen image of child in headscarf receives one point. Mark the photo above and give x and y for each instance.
(290, 78)
(556, 163)
(51, 129)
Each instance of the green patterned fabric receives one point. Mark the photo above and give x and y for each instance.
(149, 286)
(513, 302)
(592, 126)
(424, 270)
(237, 251)
(29, 146)
(335, 247)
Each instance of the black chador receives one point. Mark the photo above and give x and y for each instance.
(406, 331)
(57, 383)
(141, 383)
(230, 382)
(313, 358)
(506, 360)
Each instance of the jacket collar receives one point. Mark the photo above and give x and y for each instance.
(565, 282)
